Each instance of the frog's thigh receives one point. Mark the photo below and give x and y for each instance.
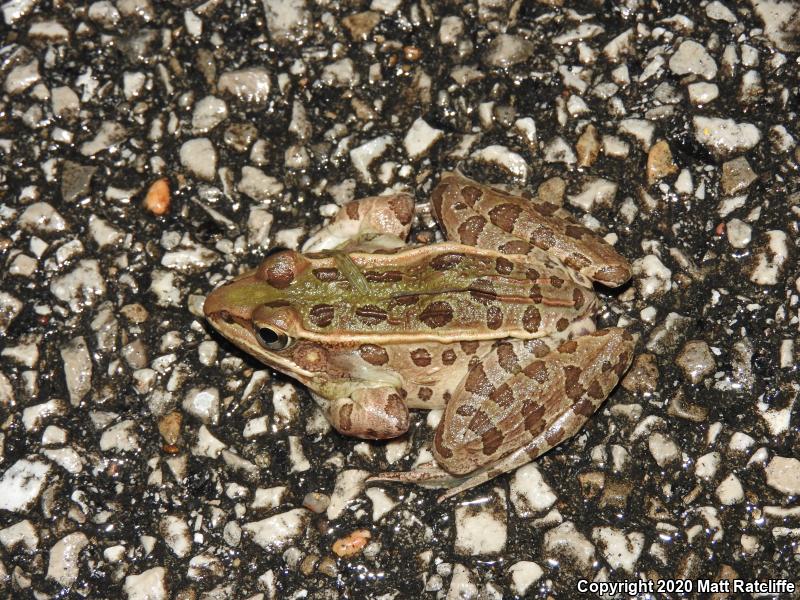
(368, 223)
(478, 215)
(373, 413)
(491, 427)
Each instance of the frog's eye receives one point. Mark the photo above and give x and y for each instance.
(271, 339)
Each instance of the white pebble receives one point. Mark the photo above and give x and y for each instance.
(199, 157)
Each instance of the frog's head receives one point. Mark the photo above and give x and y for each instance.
(258, 312)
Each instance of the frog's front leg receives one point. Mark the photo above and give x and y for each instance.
(514, 407)
(368, 224)
(373, 413)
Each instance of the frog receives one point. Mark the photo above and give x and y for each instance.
(493, 326)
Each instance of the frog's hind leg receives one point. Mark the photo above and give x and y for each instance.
(479, 215)
(517, 405)
(368, 224)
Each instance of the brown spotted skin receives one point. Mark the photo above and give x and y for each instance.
(479, 215)
(494, 325)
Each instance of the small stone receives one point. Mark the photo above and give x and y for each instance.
(200, 158)
(565, 541)
(640, 129)
(351, 544)
(288, 21)
(110, 135)
(588, 146)
(169, 426)
(258, 185)
(530, 493)
(208, 113)
(620, 549)
(558, 150)
(691, 57)
(22, 483)
(363, 156)
(663, 449)
(340, 74)
(176, 535)
(349, 484)
(278, 531)
(76, 180)
(725, 137)
(451, 30)
(730, 491)
(719, 12)
(41, 218)
(783, 474)
(149, 585)
(770, 259)
(482, 528)
(659, 162)
(501, 156)
(642, 377)
(736, 176)
(696, 360)
(63, 566)
(420, 138)
(596, 191)
(157, 199)
(524, 574)
(702, 93)
(21, 77)
(77, 369)
(203, 404)
(739, 233)
(316, 502)
(360, 25)
(652, 276)
(507, 50)
(707, 465)
(64, 102)
(20, 535)
(251, 85)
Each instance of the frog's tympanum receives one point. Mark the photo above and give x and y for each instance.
(494, 326)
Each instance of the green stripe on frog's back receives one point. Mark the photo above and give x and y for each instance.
(439, 290)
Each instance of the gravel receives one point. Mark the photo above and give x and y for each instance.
(152, 151)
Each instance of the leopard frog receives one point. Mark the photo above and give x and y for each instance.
(493, 325)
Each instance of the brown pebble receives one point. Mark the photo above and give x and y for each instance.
(351, 544)
(642, 378)
(157, 199)
(308, 564)
(327, 566)
(135, 313)
(169, 426)
(588, 146)
(659, 162)
(412, 53)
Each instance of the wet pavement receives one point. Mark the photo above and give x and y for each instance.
(151, 151)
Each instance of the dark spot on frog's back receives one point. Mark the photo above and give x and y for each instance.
(471, 194)
(504, 216)
(402, 206)
(531, 319)
(494, 317)
(491, 441)
(371, 314)
(374, 355)
(421, 357)
(437, 314)
(321, 315)
(470, 230)
(515, 247)
(504, 266)
(351, 209)
(383, 276)
(326, 274)
(443, 262)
